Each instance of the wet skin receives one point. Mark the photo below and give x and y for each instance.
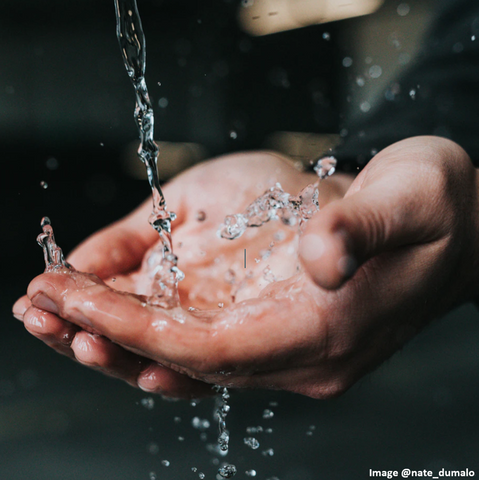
(390, 250)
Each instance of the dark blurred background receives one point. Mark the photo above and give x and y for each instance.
(66, 109)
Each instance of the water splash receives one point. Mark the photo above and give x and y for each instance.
(164, 273)
(268, 413)
(275, 204)
(251, 442)
(227, 471)
(52, 253)
(222, 410)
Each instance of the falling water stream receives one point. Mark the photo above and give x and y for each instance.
(163, 266)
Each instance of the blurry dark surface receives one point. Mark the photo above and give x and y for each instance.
(64, 95)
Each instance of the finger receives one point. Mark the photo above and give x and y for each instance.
(121, 317)
(101, 354)
(50, 329)
(20, 307)
(233, 342)
(90, 350)
(165, 381)
(388, 206)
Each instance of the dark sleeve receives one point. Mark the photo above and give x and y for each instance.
(444, 82)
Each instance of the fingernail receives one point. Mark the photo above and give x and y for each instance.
(312, 247)
(19, 309)
(44, 303)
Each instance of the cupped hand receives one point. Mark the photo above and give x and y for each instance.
(397, 251)
(215, 268)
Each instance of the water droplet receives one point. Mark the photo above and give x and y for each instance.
(194, 469)
(201, 475)
(268, 453)
(113, 279)
(251, 442)
(200, 424)
(309, 433)
(153, 448)
(163, 102)
(193, 403)
(148, 403)
(273, 404)
(252, 430)
(347, 62)
(233, 227)
(159, 84)
(200, 215)
(404, 58)
(268, 413)
(165, 463)
(177, 419)
(326, 36)
(365, 107)
(223, 440)
(325, 167)
(233, 135)
(52, 163)
(375, 71)
(403, 9)
(251, 473)
(102, 144)
(268, 275)
(412, 94)
(153, 476)
(44, 184)
(227, 471)
(473, 38)
(181, 439)
(360, 81)
(221, 305)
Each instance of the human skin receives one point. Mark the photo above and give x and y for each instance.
(389, 251)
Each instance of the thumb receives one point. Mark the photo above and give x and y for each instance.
(377, 218)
